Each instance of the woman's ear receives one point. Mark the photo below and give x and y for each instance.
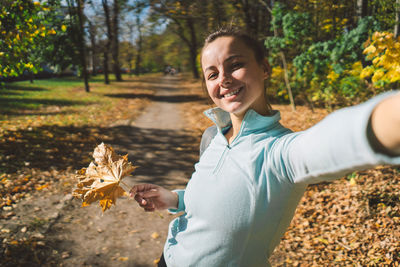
(267, 69)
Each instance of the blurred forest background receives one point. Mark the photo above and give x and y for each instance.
(321, 52)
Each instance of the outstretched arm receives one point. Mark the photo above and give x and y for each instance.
(385, 126)
(350, 139)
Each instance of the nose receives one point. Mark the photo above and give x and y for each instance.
(225, 80)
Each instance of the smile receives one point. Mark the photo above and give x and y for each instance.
(233, 92)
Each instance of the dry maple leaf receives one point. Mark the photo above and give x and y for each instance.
(100, 181)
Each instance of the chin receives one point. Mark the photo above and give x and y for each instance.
(235, 110)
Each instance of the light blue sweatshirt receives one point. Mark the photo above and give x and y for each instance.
(242, 196)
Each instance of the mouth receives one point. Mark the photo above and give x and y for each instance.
(234, 92)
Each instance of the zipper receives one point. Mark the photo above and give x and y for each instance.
(221, 159)
(228, 147)
(225, 152)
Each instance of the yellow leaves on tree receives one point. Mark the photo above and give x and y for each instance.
(384, 51)
(101, 180)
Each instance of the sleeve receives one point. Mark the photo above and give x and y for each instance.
(181, 201)
(337, 145)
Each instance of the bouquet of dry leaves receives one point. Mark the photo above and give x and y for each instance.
(102, 179)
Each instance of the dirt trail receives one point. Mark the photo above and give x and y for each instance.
(123, 235)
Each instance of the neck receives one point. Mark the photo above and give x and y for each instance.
(237, 120)
(234, 130)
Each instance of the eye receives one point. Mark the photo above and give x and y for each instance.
(212, 76)
(237, 65)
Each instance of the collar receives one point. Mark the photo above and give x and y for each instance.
(252, 121)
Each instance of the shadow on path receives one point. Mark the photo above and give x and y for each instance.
(156, 152)
(161, 98)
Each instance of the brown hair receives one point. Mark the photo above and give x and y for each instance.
(250, 41)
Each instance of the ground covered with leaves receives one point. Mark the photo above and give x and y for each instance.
(352, 221)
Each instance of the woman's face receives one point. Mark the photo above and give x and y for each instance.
(234, 79)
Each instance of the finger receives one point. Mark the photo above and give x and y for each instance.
(152, 193)
(136, 189)
(140, 188)
(141, 201)
(138, 197)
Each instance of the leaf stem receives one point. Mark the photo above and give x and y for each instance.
(127, 186)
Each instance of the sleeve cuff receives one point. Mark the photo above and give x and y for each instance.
(181, 202)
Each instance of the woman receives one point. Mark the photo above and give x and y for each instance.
(253, 172)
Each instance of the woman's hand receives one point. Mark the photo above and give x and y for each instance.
(153, 197)
(385, 123)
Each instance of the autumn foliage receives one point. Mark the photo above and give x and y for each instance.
(384, 51)
(101, 180)
(22, 27)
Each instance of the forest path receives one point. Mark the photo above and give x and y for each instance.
(125, 235)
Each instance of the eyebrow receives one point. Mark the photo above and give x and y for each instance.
(228, 59)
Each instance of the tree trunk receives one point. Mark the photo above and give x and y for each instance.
(82, 48)
(361, 12)
(283, 58)
(334, 24)
(362, 9)
(247, 16)
(92, 32)
(108, 42)
(130, 54)
(193, 47)
(220, 14)
(287, 82)
(397, 23)
(105, 67)
(138, 57)
(139, 46)
(316, 15)
(115, 42)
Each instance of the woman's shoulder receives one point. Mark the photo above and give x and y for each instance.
(207, 137)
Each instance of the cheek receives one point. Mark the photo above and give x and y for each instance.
(211, 89)
(241, 74)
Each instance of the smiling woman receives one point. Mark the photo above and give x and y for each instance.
(235, 79)
(253, 171)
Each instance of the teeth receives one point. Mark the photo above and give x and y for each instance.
(232, 93)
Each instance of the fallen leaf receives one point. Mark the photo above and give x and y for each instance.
(101, 180)
(41, 187)
(155, 235)
(65, 255)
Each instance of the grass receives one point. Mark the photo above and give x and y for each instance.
(20, 98)
(54, 122)
(60, 100)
